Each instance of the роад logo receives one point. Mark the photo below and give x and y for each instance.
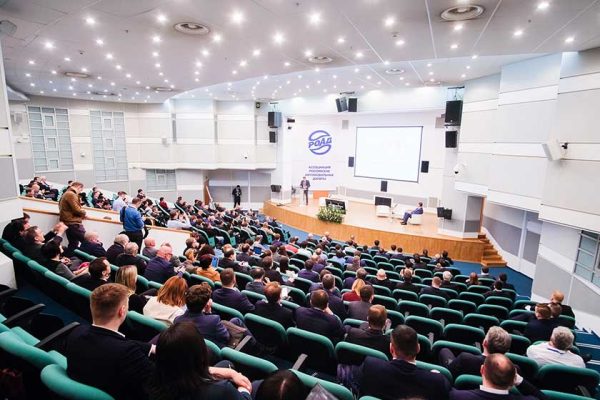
(319, 142)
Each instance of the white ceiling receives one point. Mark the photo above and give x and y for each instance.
(127, 28)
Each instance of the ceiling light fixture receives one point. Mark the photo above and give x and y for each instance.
(243, 63)
(67, 59)
(569, 40)
(99, 42)
(454, 46)
(518, 32)
(99, 77)
(109, 56)
(217, 37)
(155, 54)
(400, 42)
(49, 45)
(157, 65)
(118, 66)
(237, 17)
(474, 57)
(308, 53)
(84, 69)
(359, 54)
(341, 40)
(463, 76)
(205, 52)
(458, 27)
(128, 75)
(161, 18)
(156, 39)
(256, 52)
(389, 21)
(315, 18)
(28, 74)
(31, 62)
(53, 72)
(278, 38)
(90, 21)
(542, 5)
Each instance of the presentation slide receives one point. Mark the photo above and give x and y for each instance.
(388, 152)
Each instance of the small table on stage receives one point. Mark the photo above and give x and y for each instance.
(335, 203)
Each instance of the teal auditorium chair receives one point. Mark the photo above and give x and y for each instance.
(267, 332)
(493, 310)
(500, 301)
(140, 327)
(312, 350)
(481, 321)
(552, 395)
(529, 368)
(470, 382)
(426, 326)
(353, 354)
(55, 378)
(562, 378)
(400, 294)
(407, 308)
(253, 367)
(446, 315)
(431, 300)
(339, 391)
(464, 334)
(464, 306)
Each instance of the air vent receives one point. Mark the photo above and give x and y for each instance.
(80, 75)
(192, 28)
(394, 71)
(162, 89)
(462, 13)
(320, 59)
(96, 93)
(429, 83)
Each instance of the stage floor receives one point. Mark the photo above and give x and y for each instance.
(360, 220)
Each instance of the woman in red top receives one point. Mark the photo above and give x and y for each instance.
(354, 294)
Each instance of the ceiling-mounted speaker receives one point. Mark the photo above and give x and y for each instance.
(451, 139)
(352, 104)
(424, 167)
(383, 186)
(274, 119)
(272, 137)
(342, 104)
(351, 161)
(453, 112)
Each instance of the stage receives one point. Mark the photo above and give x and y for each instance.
(360, 220)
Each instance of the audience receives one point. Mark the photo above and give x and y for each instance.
(229, 296)
(541, 326)
(407, 283)
(92, 245)
(485, 273)
(281, 385)
(271, 272)
(497, 290)
(502, 277)
(127, 276)
(159, 269)
(34, 239)
(360, 309)
(149, 248)
(434, 289)
(354, 293)
(556, 350)
(272, 308)
(447, 282)
(130, 257)
(318, 318)
(473, 279)
(308, 273)
(557, 298)
(373, 335)
(168, 303)
(99, 273)
(258, 281)
(118, 247)
(382, 279)
(206, 269)
(55, 262)
(335, 302)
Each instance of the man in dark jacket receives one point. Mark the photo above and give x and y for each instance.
(434, 289)
(228, 295)
(373, 335)
(318, 318)
(92, 245)
(99, 273)
(258, 284)
(159, 269)
(118, 247)
(34, 239)
(360, 309)
(130, 257)
(272, 308)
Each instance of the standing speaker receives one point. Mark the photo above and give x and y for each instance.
(451, 139)
(424, 167)
(272, 137)
(453, 112)
(352, 103)
(275, 188)
(274, 119)
(342, 104)
(384, 186)
(351, 161)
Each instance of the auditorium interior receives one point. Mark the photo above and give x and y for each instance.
(269, 199)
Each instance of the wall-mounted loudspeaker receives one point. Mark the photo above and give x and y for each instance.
(384, 186)
(451, 139)
(553, 150)
(424, 167)
(453, 112)
(351, 161)
(352, 104)
(342, 104)
(274, 119)
(275, 188)
(272, 137)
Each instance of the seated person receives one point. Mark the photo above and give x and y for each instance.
(400, 378)
(409, 214)
(434, 289)
(271, 272)
(228, 261)
(361, 273)
(272, 308)
(118, 247)
(502, 277)
(58, 264)
(541, 326)
(149, 248)
(308, 273)
(497, 291)
(447, 282)
(339, 257)
(168, 303)
(229, 295)
(199, 311)
(90, 349)
(557, 298)
(556, 350)
(360, 309)
(92, 245)
(485, 273)
(381, 279)
(258, 280)
(206, 269)
(407, 283)
(318, 318)
(13, 232)
(34, 239)
(335, 302)
(159, 269)
(373, 335)
(127, 276)
(130, 257)
(99, 274)
(280, 385)
(354, 293)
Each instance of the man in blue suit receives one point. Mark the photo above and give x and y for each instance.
(498, 374)
(308, 273)
(159, 269)
(400, 378)
(318, 318)
(228, 295)
(416, 211)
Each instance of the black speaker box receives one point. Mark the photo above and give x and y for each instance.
(272, 137)
(451, 139)
(453, 112)
(275, 188)
(274, 119)
(384, 186)
(342, 104)
(447, 213)
(351, 161)
(424, 167)
(352, 104)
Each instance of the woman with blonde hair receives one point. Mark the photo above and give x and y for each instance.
(169, 302)
(354, 294)
(127, 276)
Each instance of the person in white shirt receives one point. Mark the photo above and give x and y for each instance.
(556, 351)
(120, 202)
(169, 302)
(176, 223)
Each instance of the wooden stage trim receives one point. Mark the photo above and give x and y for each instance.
(459, 249)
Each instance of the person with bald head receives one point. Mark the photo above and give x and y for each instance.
(149, 247)
(92, 245)
(159, 269)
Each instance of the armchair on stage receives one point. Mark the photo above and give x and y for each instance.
(398, 212)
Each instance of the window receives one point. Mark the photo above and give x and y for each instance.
(108, 144)
(50, 139)
(587, 264)
(161, 179)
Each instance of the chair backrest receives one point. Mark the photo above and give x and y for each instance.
(473, 297)
(432, 300)
(413, 308)
(528, 367)
(198, 279)
(465, 306)
(84, 256)
(388, 302)
(425, 326)
(80, 298)
(401, 294)
(456, 348)
(510, 325)
(448, 315)
(567, 321)
(552, 395)
(382, 290)
(253, 367)
(37, 358)
(478, 289)
(354, 354)
(303, 284)
(253, 296)
(266, 331)
(564, 378)
(519, 344)
(396, 317)
(494, 310)
(318, 348)
(58, 382)
(469, 382)
(226, 312)
(339, 391)
(500, 301)
(481, 321)
(464, 334)
(140, 327)
(435, 367)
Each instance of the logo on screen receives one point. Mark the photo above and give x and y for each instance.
(319, 142)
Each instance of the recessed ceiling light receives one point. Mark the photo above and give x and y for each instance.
(99, 42)
(49, 45)
(243, 63)
(73, 80)
(31, 62)
(74, 94)
(53, 72)
(28, 74)
(341, 40)
(314, 18)
(368, 76)
(286, 64)
(198, 64)
(299, 76)
(99, 77)
(112, 84)
(278, 38)
(468, 67)
(386, 62)
(288, 82)
(147, 87)
(256, 52)
(32, 84)
(308, 53)
(430, 73)
(401, 78)
(90, 21)
(156, 39)
(160, 74)
(542, 5)
(196, 72)
(51, 82)
(518, 32)
(90, 85)
(205, 52)
(155, 54)
(70, 87)
(237, 17)
(407, 84)
(118, 66)
(400, 42)
(128, 75)
(161, 18)
(234, 72)
(266, 77)
(429, 65)
(41, 92)
(458, 27)
(84, 69)
(317, 69)
(432, 80)
(334, 76)
(67, 59)
(474, 57)
(389, 21)
(359, 54)
(217, 38)
(570, 39)
(109, 56)
(454, 46)
(166, 81)
(379, 82)
(463, 76)
(54, 90)
(356, 70)
(157, 65)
